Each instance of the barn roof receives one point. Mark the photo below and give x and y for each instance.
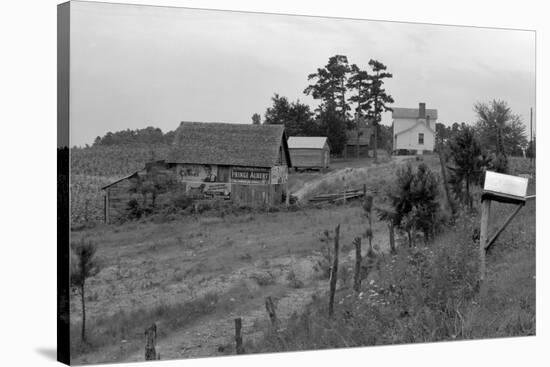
(307, 142)
(412, 113)
(228, 144)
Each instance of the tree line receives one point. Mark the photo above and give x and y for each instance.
(340, 87)
(148, 135)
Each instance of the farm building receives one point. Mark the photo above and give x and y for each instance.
(309, 152)
(414, 129)
(247, 164)
(360, 138)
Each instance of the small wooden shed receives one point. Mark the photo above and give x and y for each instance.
(309, 152)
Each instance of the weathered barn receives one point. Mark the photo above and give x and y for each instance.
(360, 137)
(247, 164)
(309, 152)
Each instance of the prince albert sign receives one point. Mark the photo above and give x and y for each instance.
(250, 174)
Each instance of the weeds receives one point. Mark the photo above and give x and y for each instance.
(421, 294)
(124, 325)
(263, 279)
(293, 280)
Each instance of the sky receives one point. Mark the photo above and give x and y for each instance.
(138, 66)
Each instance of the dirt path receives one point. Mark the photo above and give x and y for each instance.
(214, 335)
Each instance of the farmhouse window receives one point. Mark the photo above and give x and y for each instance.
(421, 138)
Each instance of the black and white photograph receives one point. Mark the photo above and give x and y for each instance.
(234, 182)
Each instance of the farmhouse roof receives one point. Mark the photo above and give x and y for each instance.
(412, 113)
(419, 123)
(228, 144)
(307, 142)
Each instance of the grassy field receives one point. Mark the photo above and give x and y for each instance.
(193, 275)
(147, 265)
(431, 293)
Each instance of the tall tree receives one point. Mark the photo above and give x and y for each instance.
(83, 266)
(296, 117)
(279, 112)
(380, 99)
(330, 84)
(359, 81)
(442, 133)
(493, 116)
(256, 119)
(331, 122)
(500, 131)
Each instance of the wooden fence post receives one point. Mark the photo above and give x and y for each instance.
(357, 279)
(345, 188)
(287, 198)
(150, 343)
(334, 271)
(483, 235)
(238, 337)
(367, 205)
(450, 200)
(391, 228)
(86, 203)
(270, 308)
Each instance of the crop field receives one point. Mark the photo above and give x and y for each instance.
(95, 167)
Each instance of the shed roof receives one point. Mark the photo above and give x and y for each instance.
(412, 113)
(120, 179)
(228, 144)
(307, 142)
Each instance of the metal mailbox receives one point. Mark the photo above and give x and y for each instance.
(505, 188)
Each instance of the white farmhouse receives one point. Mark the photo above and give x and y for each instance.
(414, 129)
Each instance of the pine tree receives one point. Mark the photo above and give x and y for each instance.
(379, 98)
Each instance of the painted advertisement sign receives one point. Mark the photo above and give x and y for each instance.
(207, 190)
(250, 175)
(197, 173)
(279, 174)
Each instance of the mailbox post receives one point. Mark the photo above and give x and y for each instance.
(505, 189)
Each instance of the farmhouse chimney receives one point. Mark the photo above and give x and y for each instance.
(422, 110)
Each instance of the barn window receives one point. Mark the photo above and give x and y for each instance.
(421, 138)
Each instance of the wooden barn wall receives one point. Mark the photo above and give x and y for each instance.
(257, 195)
(352, 149)
(307, 158)
(244, 185)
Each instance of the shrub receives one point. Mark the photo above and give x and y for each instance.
(135, 210)
(182, 201)
(293, 280)
(469, 160)
(324, 264)
(263, 279)
(414, 200)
